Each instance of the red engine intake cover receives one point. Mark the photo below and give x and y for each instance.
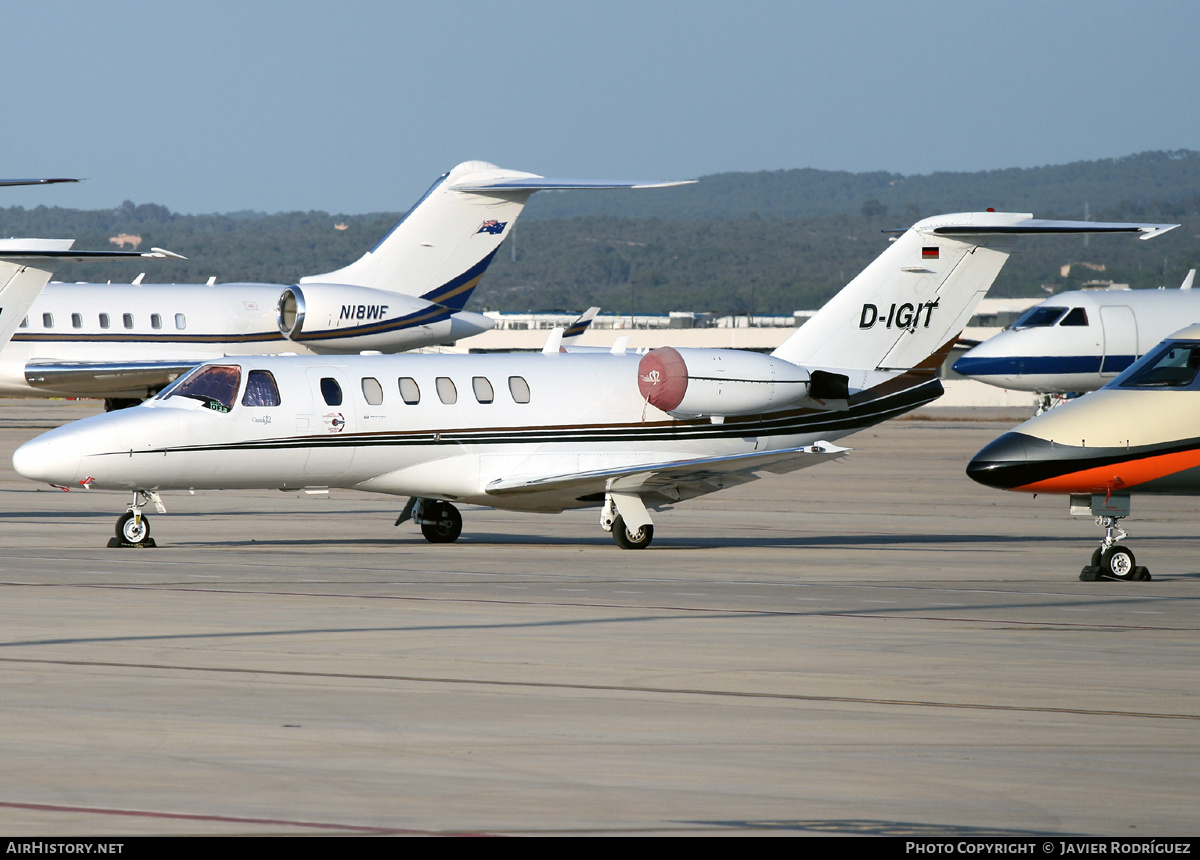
(663, 378)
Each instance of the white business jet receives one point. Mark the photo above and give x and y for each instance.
(556, 430)
(124, 342)
(1079, 341)
(25, 267)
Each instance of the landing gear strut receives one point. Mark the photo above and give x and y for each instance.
(440, 521)
(133, 528)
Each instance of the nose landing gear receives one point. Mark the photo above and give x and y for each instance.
(1111, 560)
(133, 529)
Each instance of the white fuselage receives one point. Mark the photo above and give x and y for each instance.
(581, 413)
(185, 324)
(1097, 335)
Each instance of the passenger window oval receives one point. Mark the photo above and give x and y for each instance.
(372, 390)
(410, 392)
(447, 393)
(331, 391)
(483, 389)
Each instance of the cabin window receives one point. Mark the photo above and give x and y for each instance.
(76, 320)
(180, 322)
(103, 320)
(410, 392)
(483, 389)
(519, 389)
(372, 390)
(331, 391)
(47, 320)
(155, 320)
(215, 386)
(1039, 317)
(127, 319)
(1077, 316)
(1173, 365)
(260, 389)
(447, 393)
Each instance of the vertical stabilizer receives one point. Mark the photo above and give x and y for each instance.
(916, 297)
(442, 247)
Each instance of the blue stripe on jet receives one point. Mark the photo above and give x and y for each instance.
(455, 292)
(1030, 365)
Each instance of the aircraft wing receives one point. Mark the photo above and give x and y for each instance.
(672, 480)
(104, 378)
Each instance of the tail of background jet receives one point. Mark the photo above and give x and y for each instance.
(442, 247)
(908, 306)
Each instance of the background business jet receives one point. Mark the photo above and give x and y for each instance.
(124, 342)
(1136, 435)
(1079, 341)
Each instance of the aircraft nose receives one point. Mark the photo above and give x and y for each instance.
(52, 458)
(1003, 463)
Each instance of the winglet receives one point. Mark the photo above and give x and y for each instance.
(1187, 282)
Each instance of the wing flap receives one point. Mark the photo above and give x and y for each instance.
(673, 479)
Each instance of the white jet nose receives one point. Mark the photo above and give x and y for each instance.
(52, 457)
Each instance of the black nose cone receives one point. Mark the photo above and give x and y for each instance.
(1003, 463)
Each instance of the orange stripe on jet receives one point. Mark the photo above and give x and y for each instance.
(1118, 476)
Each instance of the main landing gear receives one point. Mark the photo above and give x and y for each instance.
(625, 516)
(440, 521)
(1111, 560)
(133, 528)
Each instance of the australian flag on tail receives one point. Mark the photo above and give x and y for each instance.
(493, 226)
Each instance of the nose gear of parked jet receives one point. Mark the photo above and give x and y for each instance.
(1111, 560)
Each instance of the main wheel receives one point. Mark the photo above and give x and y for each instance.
(1117, 562)
(131, 530)
(632, 540)
(445, 523)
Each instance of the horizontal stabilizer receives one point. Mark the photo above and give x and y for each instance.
(1042, 226)
(41, 250)
(542, 183)
(9, 182)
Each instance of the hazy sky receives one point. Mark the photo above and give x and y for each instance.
(353, 107)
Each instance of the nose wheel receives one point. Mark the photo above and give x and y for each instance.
(133, 527)
(1112, 560)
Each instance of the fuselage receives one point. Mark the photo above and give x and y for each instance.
(1079, 341)
(1138, 434)
(442, 426)
(184, 324)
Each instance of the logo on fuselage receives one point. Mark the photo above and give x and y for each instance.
(493, 226)
(906, 316)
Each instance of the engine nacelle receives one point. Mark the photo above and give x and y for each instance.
(718, 382)
(341, 318)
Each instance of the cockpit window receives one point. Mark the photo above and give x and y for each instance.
(1039, 317)
(1077, 316)
(260, 389)
(216, 386)
(1172, 365)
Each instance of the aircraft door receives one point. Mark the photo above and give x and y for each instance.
(331, 424)
(1120, 339)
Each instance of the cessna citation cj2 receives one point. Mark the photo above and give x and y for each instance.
(546, 432)
(124, 342)
(1138, 434)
